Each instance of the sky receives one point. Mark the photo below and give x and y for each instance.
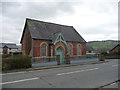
(95, 20)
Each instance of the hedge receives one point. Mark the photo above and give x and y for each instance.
(16, 62)
(6, 55)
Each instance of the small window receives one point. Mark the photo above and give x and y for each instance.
(9, 48)
(43, 49)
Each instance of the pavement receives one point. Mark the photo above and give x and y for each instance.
(80, 76)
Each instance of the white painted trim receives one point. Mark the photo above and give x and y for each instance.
(72, 47)
(58, 47)
(80, 48)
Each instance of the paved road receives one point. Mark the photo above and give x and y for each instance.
(87, 76)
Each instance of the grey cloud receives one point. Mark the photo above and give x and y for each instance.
(97, 30)
(14, 14)
(17, 12)
(9, 5)
(93, 30)
(101, 6)
(9, 9)
(41, 10)
(11, 33)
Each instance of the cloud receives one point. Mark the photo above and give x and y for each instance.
(14, 14)
(39, 10)
(91, 37)
(90, 18)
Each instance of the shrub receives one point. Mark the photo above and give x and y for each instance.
(5, 55)
(104, 53)
(16, 62)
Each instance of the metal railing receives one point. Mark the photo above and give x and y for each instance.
(43, 59)
(66, 59)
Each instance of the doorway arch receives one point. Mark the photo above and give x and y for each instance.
(60, 51)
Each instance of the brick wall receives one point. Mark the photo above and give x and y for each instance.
(83, 47)
(36, 47)
(26, 42)
(74, 49)
(37, 52)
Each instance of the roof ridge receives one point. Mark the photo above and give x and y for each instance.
(48, 22)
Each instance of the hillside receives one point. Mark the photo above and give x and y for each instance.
(102, 45)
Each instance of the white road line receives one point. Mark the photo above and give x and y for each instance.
(114, 65)
(112, 83)
(24, 72)
(35, 70)
(13, 73)
(19, 81)
(77, 71)
(40, 70)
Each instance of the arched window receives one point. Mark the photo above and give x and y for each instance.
(43, 49)
(70, 51)
(79, 51)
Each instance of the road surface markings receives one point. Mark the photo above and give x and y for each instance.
(77, 71)
(13, 73)
(113, 83)
(100, 64)
(36, 71)
(23, 72)
(114, 65)
(19, 81)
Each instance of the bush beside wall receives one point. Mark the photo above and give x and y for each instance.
(16, 62)
(5, 55)
(110, 55)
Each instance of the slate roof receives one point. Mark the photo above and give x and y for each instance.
(9, 45)
(47, 31)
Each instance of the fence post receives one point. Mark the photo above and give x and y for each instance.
(58, 59)
(101, 58)
(32, 59)
(67, 59)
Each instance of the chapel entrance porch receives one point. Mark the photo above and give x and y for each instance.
(60, 52)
